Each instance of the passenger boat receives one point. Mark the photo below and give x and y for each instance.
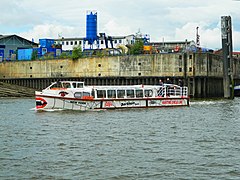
(74, 95)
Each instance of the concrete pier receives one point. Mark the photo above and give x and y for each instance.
(201, 72)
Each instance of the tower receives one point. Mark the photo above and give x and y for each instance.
(91, 28)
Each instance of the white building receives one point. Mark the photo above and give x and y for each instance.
(70, 43)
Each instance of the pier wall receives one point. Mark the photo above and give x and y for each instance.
(201, 72)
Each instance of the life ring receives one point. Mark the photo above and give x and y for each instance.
(177, 48)
(40, 102)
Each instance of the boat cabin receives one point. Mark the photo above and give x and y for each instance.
(60, 85)
(119, 92)
(79, 90)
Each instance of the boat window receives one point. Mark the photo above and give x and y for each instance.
(78, 94)
(86, 94)
(66, 85)
(120, 93)
(56, 85)
(139, 93)
(74, 85)
(148, 92)
(79, 85)
(111, 93)
(130, 93)
(101, 94)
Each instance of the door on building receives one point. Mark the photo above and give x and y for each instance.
(1, 54)
(10, 54)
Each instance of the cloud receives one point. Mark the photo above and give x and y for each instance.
(50, 31)
(113, 27)
(209, 37)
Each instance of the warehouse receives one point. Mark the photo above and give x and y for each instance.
(9, 44)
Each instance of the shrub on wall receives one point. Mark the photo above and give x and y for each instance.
(77, 53)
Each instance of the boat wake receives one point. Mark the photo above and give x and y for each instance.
(46, 110)
(57, 110)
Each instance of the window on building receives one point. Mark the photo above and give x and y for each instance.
(115, 41)
(58, 52)
(101, 41)
(80, 42)
(71, 43)
(44, 50)
(120, 41)
(63, 43)
(67, 43)
(75, 42)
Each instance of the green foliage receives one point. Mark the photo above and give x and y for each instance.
(77, 53)
(65, 55)
(100, 54)
(34, 55)
(137, 47)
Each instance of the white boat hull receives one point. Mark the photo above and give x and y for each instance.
(45, 102)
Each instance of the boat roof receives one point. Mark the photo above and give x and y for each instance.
(118, 86)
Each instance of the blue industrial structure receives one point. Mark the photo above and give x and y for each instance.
(47, 47)
(91, 29)
(146, 39)
(46, 43)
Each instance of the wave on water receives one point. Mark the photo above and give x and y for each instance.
(207, 102)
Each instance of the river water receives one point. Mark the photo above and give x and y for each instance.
(197, 142)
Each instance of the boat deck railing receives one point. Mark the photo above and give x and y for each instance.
(170, 90)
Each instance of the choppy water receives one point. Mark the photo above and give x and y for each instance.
(197, 142)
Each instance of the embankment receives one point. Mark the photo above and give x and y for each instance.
(10, 90)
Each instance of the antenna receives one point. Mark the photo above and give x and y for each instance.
(197, 38)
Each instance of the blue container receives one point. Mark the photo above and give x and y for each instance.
(25, 54)
(1, 54)
(91, 27)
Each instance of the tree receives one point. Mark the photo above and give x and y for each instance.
(34, 55)
(137, 47)
(77, 53)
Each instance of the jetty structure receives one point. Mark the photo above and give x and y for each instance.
(206, 73)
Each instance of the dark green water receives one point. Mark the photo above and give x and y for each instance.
(197, 142)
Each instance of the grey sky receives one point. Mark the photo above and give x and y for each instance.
(162, 19)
